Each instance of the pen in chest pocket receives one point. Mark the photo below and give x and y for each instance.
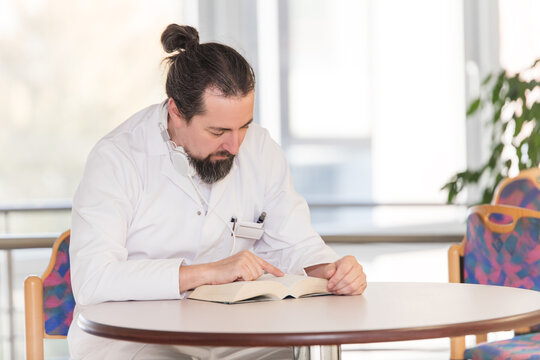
(234, 220)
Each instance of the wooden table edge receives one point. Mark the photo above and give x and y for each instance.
(308, 338)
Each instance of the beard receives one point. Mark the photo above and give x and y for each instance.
(212, 171)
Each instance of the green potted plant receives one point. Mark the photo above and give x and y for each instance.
(513, 105)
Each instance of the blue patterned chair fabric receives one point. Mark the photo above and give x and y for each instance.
(522, 193)
(507, 259)
(518, 348)
(58, 301)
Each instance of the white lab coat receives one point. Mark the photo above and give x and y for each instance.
(136, 219)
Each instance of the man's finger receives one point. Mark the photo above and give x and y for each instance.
(247, 267)
(355, 288)
(356, 272)
(342, 269)
(253, 270)
(349, 284)
(269, 268)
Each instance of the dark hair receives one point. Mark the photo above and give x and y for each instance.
(196, 67)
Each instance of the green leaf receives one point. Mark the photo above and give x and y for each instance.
(487, 196)
(496, 92)
(474, 176)
(487, 79)
(534, 112)
(497, 151)
(513, 88)
(474, 106)
(527, 114)
(519, 123)
(534, 145)
(451, 187)
(519, 154)
(496, 183)
(497, 115)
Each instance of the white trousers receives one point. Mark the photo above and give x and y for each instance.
(159, 352)
(118, 350)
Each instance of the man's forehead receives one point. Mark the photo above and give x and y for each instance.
(213, 92)
(226, 112)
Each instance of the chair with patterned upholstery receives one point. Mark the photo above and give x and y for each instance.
(501, 247)
(521, 191)
(49, 301)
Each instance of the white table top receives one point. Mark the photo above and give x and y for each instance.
(385, 312)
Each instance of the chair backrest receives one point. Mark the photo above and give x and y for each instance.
(49, 301)
(497, 253)
(522, 190)
(501, 247)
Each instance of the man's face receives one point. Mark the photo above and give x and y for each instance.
(213, 138)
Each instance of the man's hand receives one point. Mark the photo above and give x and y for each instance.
(241, 266)
(345, 276)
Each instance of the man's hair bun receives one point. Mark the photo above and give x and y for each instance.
(177, 38)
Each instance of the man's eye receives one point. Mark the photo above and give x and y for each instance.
(217, 133)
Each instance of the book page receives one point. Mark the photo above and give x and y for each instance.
(269, 286)
(288, 280)
(238, 290)
(300, 285)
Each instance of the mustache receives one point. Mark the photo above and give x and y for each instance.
(222, 153)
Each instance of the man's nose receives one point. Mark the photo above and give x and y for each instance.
(232, 143)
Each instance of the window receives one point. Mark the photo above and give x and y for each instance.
(70, 72)
(373, 92)
(519, 29)
(381, 90)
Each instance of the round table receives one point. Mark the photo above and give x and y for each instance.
(385, 312)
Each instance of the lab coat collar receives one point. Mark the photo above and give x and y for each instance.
(179, 180)
(156, 144)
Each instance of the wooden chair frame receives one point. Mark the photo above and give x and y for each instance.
(456, 253)
(33, 308)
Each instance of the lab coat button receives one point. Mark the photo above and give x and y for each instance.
(198, 213)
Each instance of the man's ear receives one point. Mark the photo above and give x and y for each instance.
(174, 113)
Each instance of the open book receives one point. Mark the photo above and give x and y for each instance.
(267, 287)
